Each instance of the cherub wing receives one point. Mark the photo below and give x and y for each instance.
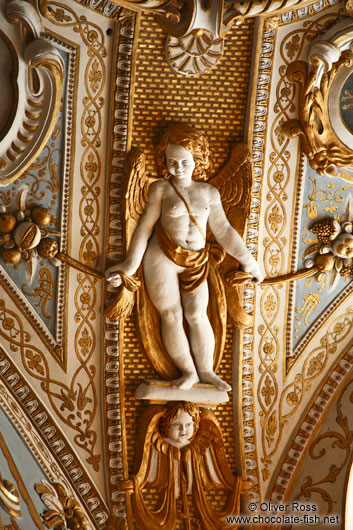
(137, 184)
(234, 182)
(148, 439)
(210, 471)
(209, 443)
(154, 468)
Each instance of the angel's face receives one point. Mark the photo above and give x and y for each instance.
(181, 430)
(180, 162)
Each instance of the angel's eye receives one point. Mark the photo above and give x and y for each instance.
(185, 162)
(171, 162)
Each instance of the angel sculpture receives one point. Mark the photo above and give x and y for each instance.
(180, 453)
(179, 260)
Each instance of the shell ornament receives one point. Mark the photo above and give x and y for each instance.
(333, 252)
(22, 234)
(195, 53)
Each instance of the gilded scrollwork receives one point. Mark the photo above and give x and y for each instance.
(43, 290)
(274, 401)
(329, 197)
(35, 98)
(44, 438)
(325, 151)
(75, 404)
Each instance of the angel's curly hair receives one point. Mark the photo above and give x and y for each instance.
(192, 140)
(173, 410)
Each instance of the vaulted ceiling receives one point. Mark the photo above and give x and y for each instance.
(84, 82)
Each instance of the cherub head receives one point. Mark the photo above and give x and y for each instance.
(180, 423)
(192, 140)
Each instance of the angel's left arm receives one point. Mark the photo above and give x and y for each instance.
(229, 238)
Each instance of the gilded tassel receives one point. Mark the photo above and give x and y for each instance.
(122, 305)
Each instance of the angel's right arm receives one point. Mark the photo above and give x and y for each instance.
(142, 233)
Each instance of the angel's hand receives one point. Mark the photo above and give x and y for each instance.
(113, 275)
(114, 278)
(254, 269)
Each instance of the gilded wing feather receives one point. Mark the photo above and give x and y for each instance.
(234, 182)
(210, 471)
(136, 190)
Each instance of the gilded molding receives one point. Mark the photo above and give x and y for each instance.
(195, 29)
(259, 127)
(349, 7)
(263, 410)
(67, 401)
(34, 95)
(89, 164)
(9, 498)
(114, 391)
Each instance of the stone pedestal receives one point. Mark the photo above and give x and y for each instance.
(162, 391)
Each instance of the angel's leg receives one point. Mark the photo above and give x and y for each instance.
(161, 278)
(201, 335)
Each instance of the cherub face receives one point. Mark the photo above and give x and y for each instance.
(181, 430)
(342, 246)
(180, 162)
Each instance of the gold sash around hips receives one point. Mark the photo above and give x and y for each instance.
(194, 261)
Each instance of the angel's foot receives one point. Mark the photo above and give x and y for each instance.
(186, 381)
(213, 379)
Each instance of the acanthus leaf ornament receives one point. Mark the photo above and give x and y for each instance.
(320, 79)
(63, 511)
(32, 81)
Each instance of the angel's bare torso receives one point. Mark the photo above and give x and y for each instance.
(201, 198)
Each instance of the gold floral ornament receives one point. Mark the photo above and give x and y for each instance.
(64, 512)
(324, 149)
(22, 231)
(24, 236)
(333, 252)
